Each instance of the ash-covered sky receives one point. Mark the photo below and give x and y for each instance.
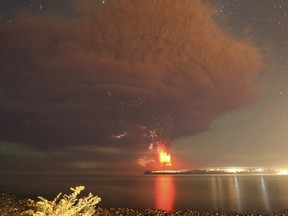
(83, 83)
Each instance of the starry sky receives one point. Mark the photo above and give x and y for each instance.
(89, 86)
(257, 134)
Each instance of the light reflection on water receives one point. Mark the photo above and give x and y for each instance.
(164, 192)
(241, 193)
(226, 193)
(265, 194)
(283, 186)
(238, 195)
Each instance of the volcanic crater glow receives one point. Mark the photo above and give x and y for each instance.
(164, 158)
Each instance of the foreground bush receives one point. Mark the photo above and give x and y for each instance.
(68, 205)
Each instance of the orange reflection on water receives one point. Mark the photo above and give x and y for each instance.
(165, 193)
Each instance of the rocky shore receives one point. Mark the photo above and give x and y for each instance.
(150, 212)
(10, 205)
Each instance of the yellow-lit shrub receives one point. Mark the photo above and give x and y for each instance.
(68, 205)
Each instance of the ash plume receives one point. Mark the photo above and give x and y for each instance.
(118, 67)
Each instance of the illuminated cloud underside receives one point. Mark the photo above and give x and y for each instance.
(122, 66)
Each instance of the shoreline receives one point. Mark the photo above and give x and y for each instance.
(12, 205)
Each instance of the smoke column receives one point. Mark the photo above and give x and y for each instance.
(119, 69)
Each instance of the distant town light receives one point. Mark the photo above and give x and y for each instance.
(234, 170)
(282, 172)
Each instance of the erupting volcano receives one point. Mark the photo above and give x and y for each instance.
(164, 157)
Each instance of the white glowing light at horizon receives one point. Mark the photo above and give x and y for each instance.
(234, 170)
(282, 172)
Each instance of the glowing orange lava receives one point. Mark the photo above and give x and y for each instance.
(165, 158)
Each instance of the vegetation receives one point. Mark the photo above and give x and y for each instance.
(68, 205)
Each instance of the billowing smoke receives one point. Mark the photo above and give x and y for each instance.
(118, 70)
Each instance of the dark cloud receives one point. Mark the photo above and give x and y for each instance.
(120, 67)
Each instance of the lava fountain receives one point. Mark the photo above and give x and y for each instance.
(164, 156)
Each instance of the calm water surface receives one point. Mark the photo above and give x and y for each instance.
(240, 193)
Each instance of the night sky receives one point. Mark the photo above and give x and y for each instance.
(89, 86)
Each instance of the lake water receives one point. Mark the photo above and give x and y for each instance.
(241, 193)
